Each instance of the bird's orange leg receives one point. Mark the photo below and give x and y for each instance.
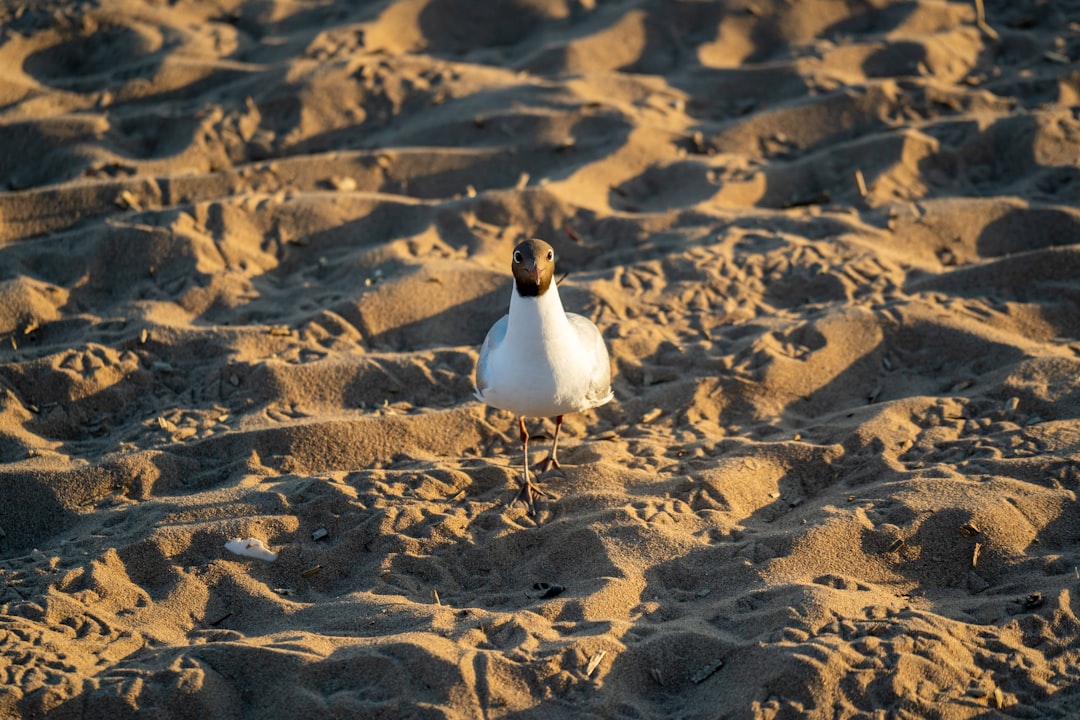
(550, 464)
(528, 492)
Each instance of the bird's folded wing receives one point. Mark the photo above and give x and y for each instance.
(599, 391)
(492, 342)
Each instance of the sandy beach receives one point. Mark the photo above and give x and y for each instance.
(249, 251)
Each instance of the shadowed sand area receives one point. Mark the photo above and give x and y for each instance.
(248, 252)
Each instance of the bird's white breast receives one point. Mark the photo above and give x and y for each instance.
(542, 366)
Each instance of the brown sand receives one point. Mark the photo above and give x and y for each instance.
(248, 252)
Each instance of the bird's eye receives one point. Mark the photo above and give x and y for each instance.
(517, 256)
(551, 254)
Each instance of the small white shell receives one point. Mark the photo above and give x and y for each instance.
(251, 547)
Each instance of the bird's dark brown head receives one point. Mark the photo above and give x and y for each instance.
(533, 267)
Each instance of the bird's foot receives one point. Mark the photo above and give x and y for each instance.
(549, 467)
(528, 493)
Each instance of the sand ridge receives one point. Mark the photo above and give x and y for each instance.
(248, 252)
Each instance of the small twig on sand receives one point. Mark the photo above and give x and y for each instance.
(980, 21)
(594, 661)
(572, 234)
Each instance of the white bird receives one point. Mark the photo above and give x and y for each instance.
(539, 360)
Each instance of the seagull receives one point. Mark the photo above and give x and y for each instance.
(540, 361)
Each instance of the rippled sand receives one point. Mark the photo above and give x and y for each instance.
(248, 252)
